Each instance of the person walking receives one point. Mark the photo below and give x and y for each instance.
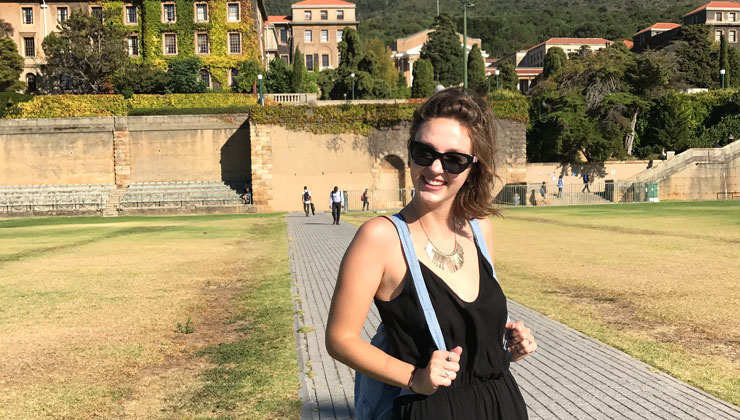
(586, 181)
(560, 186)
(445, 229)
(337, 204)
(365, 200)
(543, 193)
(306, 198)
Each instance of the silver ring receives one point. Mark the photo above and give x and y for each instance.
(447, 373)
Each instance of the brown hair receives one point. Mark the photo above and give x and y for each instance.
(474, 200)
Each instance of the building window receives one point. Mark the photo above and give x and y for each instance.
(203, 43)
(325, 60)
(732, 17)
(131, 14)
(340, 14)
(235, 43)
(733, 36)
(324, 35)
(308, 35)
(234, 12)
(97, 11)
(27, 15)
(29, 45)
(307, 15)
(718, 16)
(170, 44)
(309, 62)
(339, 35)
(201, 12)
(285, 58)
(324, 15)
(133, 45)
(62, 14)
(234, 76)
(717, 35)
(31, 82)
(284, 36)
(205, 77)
(168, 12)
(65, 82)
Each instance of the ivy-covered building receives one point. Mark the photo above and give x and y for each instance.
(220, 32)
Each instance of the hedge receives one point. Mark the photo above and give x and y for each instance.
(62, 106)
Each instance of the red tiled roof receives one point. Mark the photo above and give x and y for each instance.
(580, 41)
(278, 19)
(629, 44)
(716, 5)
(322, 3)
(660, 26)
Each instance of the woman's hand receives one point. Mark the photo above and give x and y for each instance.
(441, 371)
(521, 341)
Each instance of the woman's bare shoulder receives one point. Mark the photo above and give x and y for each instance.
(377, 230)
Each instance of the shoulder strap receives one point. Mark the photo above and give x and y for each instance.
(481, 242)
(421, 288)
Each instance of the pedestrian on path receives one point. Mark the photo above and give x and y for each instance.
(586, 181)
(452, 169)
(560, 186)
(336, 203)
(365, 197)
(306, 198)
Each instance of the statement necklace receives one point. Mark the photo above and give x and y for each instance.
(450, 262)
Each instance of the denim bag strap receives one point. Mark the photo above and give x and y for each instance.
(481, 242)
(421, 287)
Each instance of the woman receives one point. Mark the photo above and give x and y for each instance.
(451, 150)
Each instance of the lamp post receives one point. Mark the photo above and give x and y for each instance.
(262, 98)
(466, 5)
(497, 72)
(488, 79)
(353, 85)
(722, 74)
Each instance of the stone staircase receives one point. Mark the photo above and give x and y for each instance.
(114, 201)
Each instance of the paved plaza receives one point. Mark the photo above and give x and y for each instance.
(570, 376)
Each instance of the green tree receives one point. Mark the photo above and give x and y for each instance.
(184, 75)
(555, 59)
(724, 63)
(85, 54)
(246, 81)
(326, 80)
(508, 78)
(278, 76)
(299, 68)
(350, 50)
(141, 78)
(444, 51)
(402, 89)
(476, 70)
(733, 63)
(695, 63)
(422, 85)
(378, 62)
(11, 66)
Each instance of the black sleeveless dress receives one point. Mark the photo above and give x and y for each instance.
(484, 388)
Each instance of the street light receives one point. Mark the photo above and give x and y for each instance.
(466, 5)
(262, 98)
(722, 73)
(353, 85)
(489, 83)
(497, 72)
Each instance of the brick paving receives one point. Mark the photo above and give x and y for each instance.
(570, 376)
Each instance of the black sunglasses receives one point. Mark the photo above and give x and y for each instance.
(452, 162)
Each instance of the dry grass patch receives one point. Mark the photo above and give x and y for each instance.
(89, 313)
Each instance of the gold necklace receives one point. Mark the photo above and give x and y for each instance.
(450, 262)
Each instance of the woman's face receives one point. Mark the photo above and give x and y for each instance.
(432, 183)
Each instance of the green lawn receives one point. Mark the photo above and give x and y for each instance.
(657, 280)
(151, 317)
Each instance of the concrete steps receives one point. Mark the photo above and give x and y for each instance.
(113, 202)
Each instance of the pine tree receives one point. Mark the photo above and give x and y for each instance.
(11, 66)
(555, 59)
(476, 70)
(508, 78)
(299, 67)
(423, 84)
(444, 51)
(278, 78)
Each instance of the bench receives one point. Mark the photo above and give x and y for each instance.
(732, 195)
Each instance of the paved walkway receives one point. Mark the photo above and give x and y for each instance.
(571, 376)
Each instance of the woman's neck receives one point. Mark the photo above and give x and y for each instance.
(434, 217)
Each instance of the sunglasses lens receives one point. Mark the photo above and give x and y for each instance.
(455, 163)
(421, 154)
(452, 162)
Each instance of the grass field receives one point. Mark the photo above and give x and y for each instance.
(660, 281)
(146, 318)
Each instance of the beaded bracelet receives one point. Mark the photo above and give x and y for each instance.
(411, 379)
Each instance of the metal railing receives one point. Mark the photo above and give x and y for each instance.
(378, 200)
(577, 194)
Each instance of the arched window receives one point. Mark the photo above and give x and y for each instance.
(205, 77)
(31, 82)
